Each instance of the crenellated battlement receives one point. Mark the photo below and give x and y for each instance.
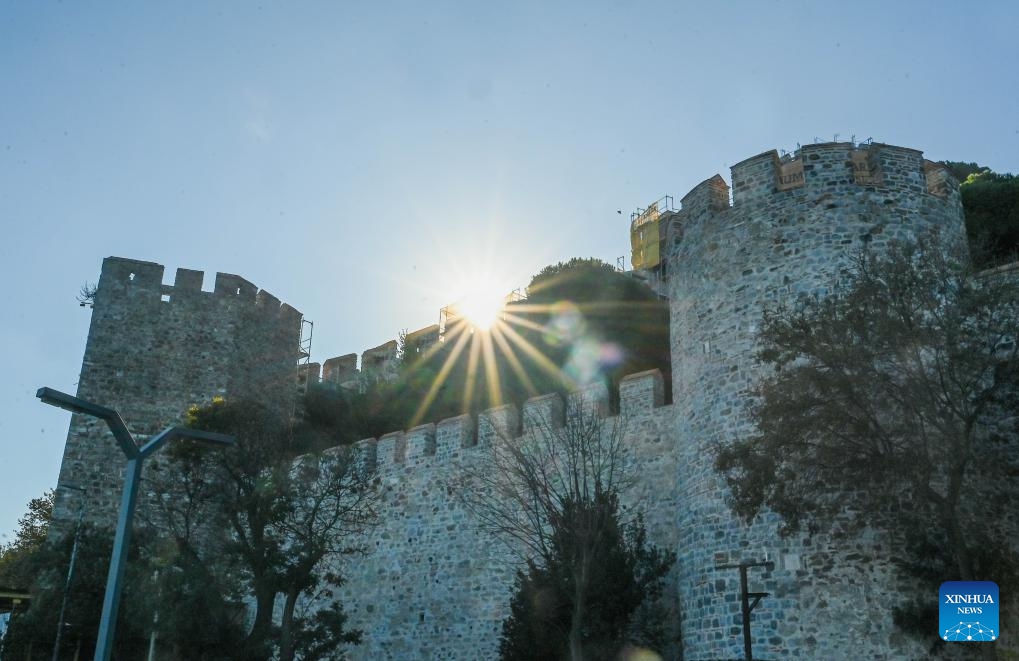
(156, 349)
(378, 363)
(430, 551)
(816, 169)
(824, 184)
(439, 444)
(709, 195)
(436, 586)
(139, 280)
(795, 223)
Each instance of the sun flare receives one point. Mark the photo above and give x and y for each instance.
(482, 307)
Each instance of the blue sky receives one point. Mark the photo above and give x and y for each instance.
(365, 162)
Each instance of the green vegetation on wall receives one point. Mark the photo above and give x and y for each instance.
(582, 322)
(991, 203)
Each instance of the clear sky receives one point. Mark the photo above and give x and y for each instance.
(365, 162)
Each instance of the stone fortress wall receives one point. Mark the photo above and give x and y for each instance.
(379, 363)
(831, 599)
(433, 588)
(153, 350)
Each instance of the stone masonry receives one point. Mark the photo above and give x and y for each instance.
(153, 350)
(831, 599)
(433, 587)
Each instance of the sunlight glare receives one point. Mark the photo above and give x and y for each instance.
(482, 306)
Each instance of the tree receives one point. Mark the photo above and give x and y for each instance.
(199, 612)
(87, 295)
(962, 170)
(892, 405)
(991, 204)
(270, 514)
(318, 633)
(16, 566)
(35, 628)
(582, 321)
(40, 561)
(582, 602)
(585, 301)
(553, 497)
(574, 265)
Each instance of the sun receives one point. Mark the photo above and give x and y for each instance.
(490, 328)
(482, 306)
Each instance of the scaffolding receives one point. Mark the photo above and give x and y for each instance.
(304, 345)
(303, 379)
(647, 233)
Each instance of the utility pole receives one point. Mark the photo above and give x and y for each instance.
(745, 597)
(136, 456)
(70, 568)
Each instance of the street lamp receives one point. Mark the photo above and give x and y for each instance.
(745, 596)
(70, 567)
(135, 458)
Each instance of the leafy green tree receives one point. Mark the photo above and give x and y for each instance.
(572, 266)
(587, 307)
(991, 203)
(892, 405)
(192, 627)
(328, 414)
(317, 633)
(35, 630)
(558, 612)
(962, 171)
(200, 613)
(17, 569)
(268, 513)
(581, 322)
(553, 498)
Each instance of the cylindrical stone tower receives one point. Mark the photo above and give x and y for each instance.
(791, 226)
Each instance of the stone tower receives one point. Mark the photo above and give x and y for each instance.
(433, 587)
(153, 350)
(792, 224)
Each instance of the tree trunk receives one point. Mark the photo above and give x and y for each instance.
(577, 618)
(287, 625)
(576, 640)
(964, 560)
(265, 599)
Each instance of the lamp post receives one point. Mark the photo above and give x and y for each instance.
(135, 458)
(70, 568)
(746, 604)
